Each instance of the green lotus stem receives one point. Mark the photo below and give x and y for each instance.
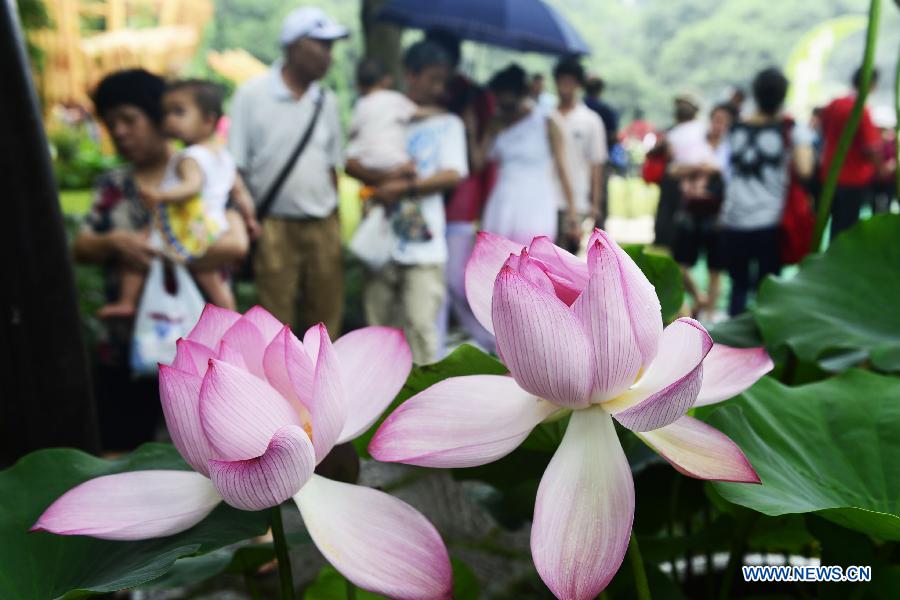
(252, 588)
(351, 591)
(897, 122)
(642, 588)
(745, 525)
(850, 128)
(281, 553)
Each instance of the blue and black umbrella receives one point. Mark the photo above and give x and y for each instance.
(529, 25)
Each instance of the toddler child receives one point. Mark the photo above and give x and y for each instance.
(378, 130)
(379, 121)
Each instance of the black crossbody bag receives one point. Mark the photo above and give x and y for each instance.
(265, 206)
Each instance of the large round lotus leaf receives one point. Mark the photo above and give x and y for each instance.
(830, 448)
(842, 307)
(40, 565)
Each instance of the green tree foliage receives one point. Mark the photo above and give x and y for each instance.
(33, 16)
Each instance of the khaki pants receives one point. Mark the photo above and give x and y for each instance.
(408, 297)
(299, 272)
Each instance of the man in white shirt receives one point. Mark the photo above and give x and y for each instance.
(410, 290)
(586, 150)
(298, 264)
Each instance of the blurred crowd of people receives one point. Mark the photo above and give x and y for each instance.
(439, 162)
(727, 182)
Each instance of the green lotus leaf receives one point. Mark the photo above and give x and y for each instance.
(843, 307)
(829, 448)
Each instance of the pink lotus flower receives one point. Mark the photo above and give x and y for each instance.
(586, 337)
(253, 411)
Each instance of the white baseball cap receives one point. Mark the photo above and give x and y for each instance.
(311, 22)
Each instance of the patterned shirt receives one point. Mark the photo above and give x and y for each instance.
(117, 203)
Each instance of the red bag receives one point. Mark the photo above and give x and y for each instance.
(654, 167)
(798, 222)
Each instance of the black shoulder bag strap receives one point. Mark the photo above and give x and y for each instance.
(262, 210)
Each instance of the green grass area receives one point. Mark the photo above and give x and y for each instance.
(75, 202)
(632, 197)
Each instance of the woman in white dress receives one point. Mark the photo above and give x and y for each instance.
(527, 145)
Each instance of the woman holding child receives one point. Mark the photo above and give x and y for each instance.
(116, 235)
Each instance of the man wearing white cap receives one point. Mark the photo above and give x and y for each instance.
(286, 138)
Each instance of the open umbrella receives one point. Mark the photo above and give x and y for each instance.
(529, 25)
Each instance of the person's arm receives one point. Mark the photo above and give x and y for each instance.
(132, 247)
(598, 157)
(804, 160)
(802, 154)
(597, 190)
(870, 139)
(229, 249)
(392, 190)
(239, 143)
(354, 168)
(243, 202)
(190, 185)
(451, 166)
(558, 150)
(96, 243)
(480, 149)
(336, 137)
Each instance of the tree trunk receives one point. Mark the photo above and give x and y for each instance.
(45, 392)
(382, 39)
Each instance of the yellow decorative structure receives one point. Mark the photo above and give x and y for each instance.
(236, 65)
(89, 39)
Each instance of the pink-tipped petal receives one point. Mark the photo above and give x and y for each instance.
(327, 407)
(670, 386)
(584, 509)
(374, 363)
(729, 371)
(564, 265)
(541, 341)
(603, 311)
(640, 298)
(460, 422)
(132, 506)
(249, 341)
(311, 343)
(240, 412)
(179, 393)
(289, 369)
(192, 357)
(213, 323)
(231, 355)
(270, 479)
(267, 324)
(378, 542)
(488, 256)
(698, 450)
(531, 270)
(564, 289)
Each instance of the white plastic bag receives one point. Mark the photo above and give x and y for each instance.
(374, 239)
(162, 317)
